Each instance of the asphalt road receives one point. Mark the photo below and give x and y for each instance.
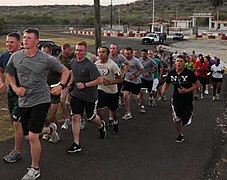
(144, 149)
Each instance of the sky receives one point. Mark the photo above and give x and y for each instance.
(60, 2)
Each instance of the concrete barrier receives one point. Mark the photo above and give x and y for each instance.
(211, 37)
(224, 37)
(120, 34)
(199, 36)
(131, 34)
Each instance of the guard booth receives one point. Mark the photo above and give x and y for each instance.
(156, 27)
(202, 15)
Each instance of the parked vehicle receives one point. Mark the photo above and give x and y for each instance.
(178, 36)
(150, 38)
(56, 50)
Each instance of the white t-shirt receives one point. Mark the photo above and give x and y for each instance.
(214, 70)
(108, 71)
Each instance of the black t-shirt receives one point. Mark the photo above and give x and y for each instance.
(185, 79)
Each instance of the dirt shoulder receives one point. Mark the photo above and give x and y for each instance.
(212, 47)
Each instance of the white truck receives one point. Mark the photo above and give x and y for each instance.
(150, 38)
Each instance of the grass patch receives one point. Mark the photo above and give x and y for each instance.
(59, 39)
(6, 127)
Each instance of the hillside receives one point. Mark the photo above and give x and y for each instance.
(137, 13)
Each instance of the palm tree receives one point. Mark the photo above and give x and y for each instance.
(217, 5)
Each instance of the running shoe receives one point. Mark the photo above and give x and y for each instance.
(206, 92)
(196, 97)
(66, 124)
(217, 97)
(54, 137)
(180, 139)
(164, 98)
(202, 96)
(74, 148)
(82, 123)
(102, 130)
(32, 174)
(12, 157)
(110, 122)
(51, 140)
(213, 98)
(153, 104)
(142, 109)
(46, 137)
(115, 127)
(127, 116)
(149, 101)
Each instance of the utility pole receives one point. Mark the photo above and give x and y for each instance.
(111, 14)
(119, 17)
(97, 25)
(153, 18)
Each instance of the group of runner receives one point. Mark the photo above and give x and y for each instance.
(84, 84)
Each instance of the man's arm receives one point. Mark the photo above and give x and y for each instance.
(95, 82)
(64, 77)
(135, 75)
(3, 87)
(20, 91)
(118, 79)
(194, 87)
(164, 88)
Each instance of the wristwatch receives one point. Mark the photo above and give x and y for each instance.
(62, 85)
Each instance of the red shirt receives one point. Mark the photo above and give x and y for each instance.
(203, 68)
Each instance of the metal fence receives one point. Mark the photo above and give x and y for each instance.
(10, 28)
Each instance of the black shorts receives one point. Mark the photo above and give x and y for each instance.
(217, 79)
(147, 84)
(14, 108)
(33, 118)
(131, 87)
(208, 79)
(78, 106)
(55, 99)
(182, 110)
(202, 80)
(108, 100)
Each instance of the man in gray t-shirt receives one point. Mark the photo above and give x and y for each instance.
(32, 74)
(131, 83)
(84, 80)
(32, 67)
(146, 77)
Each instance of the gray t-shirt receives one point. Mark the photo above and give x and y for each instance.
(85, 71)
(32, 74)
(148, 65)
(134, 65)
(120, 60)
